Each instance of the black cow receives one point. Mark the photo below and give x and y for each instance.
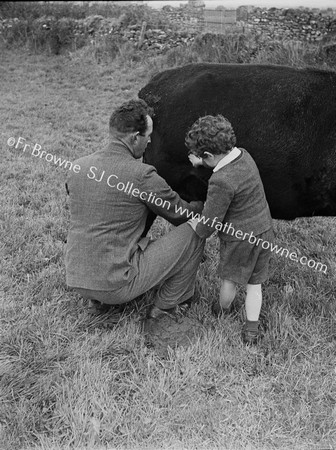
(285, 117)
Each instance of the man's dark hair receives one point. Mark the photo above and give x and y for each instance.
(130, 117)
(212, 134)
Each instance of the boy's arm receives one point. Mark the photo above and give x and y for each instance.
(219, 197)
(170, 206)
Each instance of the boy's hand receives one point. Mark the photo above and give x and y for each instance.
(195, 160)
(193, 223)
(197, 205)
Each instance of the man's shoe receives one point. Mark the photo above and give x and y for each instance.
(155, 324)
(97, 308)
(165, 329)
(155, 315)
(155, 312)
(158, 313)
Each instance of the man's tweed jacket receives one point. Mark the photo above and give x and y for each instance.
(109, 201)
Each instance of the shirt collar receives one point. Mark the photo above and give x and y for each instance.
(234, 153)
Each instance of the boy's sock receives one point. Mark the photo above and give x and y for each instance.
(253, 301)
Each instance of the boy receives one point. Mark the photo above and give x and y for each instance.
(236, 206)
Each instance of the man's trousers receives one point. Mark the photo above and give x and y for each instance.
(170, 262)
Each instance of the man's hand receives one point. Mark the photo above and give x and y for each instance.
(193, 223)
(195, 160)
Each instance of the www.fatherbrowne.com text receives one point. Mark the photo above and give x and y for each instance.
(253, 240)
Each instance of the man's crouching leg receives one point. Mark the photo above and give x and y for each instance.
(164, 326)
(187, 248)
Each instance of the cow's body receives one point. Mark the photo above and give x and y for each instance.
(284, 117)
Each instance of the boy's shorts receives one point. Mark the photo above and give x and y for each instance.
(245, 263)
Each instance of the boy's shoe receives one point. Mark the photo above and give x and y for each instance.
(250, 336)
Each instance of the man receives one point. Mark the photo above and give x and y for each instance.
(107, 259)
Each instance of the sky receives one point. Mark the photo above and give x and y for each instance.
(263, 3)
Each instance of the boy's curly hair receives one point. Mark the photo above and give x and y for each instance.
(131, 116)
(213, 134)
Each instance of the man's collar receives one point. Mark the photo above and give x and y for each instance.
(116, 142)
(234, 153)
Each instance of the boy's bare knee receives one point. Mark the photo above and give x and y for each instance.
(225, 302)
(227, 293)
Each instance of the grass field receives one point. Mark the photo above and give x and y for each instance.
(71, 379)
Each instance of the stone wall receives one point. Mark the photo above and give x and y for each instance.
(272, 24)
(174, 27)
(181, 27)
(188, 17)
(294, 24)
